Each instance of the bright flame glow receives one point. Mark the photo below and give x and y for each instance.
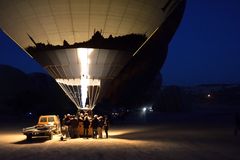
(83, 54)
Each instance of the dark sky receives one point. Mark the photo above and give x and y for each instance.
(205, 49)
(12, 54)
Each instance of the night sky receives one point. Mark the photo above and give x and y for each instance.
(205, 48)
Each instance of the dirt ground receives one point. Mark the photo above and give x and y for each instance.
(207, 136)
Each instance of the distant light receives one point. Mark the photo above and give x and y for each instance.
(115, 114)
(30, 113)
(150, 109)
(209, 95)
(144, 109)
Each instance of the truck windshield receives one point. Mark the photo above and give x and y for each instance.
(50, 119)
(43, 119)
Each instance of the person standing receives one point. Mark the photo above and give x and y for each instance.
(74, 124)
(106, 125)
(100, 126)
(86, 124)
(64, 129)
(80, 124)
(71, 127)
(95, 124)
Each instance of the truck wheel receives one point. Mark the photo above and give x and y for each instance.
(29, 137)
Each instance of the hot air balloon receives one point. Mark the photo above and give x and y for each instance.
(63, 36)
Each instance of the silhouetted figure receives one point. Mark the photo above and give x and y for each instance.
(100, 126)
(86, 124)
(80, 124)
(74, 126)
(106, 126)
(95, 124)
(64, 129)
(237, 123)
(97, 37)
(65, 43)
(129, 42)
(70, 126)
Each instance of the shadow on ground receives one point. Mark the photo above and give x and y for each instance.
(194, 134)
(34, 140)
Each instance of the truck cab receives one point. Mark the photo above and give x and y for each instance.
(50, 120)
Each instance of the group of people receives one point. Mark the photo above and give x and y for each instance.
(84, 125)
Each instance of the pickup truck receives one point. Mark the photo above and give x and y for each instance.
(46, 127)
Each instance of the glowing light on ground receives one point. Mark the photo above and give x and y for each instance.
(83, 56)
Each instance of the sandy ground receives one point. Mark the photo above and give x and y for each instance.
(187, 137)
